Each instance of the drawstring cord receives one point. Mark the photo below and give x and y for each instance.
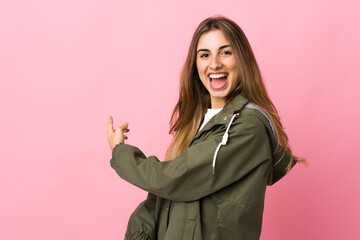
(226, 135)
(223, 142)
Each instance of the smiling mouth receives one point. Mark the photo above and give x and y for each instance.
(218, 82)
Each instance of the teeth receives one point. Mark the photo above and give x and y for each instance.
(218, 75)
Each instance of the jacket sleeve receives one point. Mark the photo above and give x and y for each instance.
(141, 225)
(189, 176)
(282, 159)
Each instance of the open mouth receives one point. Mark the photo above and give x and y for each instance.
(218, 81)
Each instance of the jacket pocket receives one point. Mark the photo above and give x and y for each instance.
(189, 229)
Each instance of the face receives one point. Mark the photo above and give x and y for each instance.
(216, 66)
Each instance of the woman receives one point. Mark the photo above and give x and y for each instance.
(228, 145)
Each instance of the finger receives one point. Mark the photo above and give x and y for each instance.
(110, 125)
(124, 126)
(126, 130)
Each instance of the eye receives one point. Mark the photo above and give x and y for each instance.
(204, 55)
(226, 52)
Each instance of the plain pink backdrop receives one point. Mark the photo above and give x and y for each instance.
(67, 65)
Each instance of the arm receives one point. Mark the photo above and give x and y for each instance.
(189, 176)
(280, 167)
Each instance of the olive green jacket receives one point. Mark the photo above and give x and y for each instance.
(213, 190)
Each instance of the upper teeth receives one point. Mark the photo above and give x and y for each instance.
(218, 75)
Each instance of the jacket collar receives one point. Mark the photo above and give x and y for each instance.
(224, 116)
(229, 109)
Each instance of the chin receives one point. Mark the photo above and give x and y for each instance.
(219, 94)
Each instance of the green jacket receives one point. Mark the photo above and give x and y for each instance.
(213, 190)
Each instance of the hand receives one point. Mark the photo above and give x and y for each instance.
(116, 136)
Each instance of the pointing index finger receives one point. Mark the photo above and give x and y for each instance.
(110, 124)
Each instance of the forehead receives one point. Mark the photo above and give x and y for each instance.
(212, 40)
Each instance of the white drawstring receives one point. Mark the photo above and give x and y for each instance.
(223, 142)
(226, 135)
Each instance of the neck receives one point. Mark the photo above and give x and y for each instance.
(217, 103)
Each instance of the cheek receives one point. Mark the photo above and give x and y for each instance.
(200, 68)
(233, 67)
(232, 64)
(201, 71)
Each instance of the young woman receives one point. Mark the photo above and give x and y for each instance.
(228, 145)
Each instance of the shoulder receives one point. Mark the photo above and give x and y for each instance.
(254, 115)
(248, 121)
(252, 123)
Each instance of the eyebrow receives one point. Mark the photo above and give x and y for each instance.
(207, 50)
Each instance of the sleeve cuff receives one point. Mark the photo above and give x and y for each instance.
(137, 236)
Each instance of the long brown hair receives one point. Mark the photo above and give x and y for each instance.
(194, 99)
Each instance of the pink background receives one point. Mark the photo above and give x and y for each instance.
(66, 66)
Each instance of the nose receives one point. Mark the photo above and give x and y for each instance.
(215, 63)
